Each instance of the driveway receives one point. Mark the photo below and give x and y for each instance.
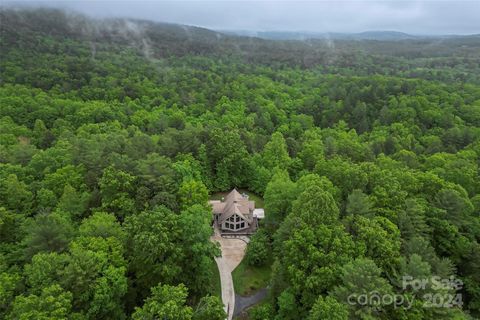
(242, 303)
(233, 251)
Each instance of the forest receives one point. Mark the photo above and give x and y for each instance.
(115, 133)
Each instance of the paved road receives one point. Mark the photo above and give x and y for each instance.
(233, 251)
(242, 303)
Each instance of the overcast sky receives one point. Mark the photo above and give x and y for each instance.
(418, 17)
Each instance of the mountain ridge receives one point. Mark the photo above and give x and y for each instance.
(380, 35)
(157, 40)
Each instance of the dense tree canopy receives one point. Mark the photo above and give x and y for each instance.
(114, 133)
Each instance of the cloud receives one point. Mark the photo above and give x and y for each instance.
(419, 17)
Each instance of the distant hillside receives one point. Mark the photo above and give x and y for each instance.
(297, 35)
(381, 35)
(155, 40)
(367, 35)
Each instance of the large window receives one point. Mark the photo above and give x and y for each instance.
(235, 223)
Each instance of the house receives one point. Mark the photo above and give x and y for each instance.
(236, 213)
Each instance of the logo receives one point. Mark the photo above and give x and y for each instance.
(434, 292)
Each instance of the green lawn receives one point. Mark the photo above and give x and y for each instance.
(215, 285)
(252, 196)
(247, 279)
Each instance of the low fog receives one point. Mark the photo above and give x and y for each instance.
(415, 17)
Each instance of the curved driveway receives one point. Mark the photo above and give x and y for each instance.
(233, 251)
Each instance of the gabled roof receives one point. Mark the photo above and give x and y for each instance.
(234, 203)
